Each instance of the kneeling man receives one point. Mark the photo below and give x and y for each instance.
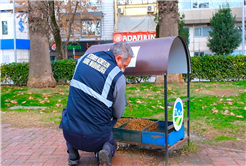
(96, 100)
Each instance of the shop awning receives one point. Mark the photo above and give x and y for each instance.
(144, 23)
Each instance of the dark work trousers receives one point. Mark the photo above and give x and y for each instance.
(88, 144)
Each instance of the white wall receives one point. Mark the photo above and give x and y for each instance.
(9, 18)
(5, 5)
(25, 33)
(7, 55)
(107, 20)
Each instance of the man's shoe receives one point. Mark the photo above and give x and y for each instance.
(104, 159)
(73, 158)
(105, 155)
(73, 162)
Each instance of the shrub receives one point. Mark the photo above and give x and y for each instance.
(213, 68)
(63, 69)
(218, 68)
(15, 72)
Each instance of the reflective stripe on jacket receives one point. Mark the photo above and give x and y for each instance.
(90, 99)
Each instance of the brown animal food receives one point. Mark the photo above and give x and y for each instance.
(121, 122)
(153, 127)
(138, 124)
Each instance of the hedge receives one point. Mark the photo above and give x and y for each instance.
(16, 73)
(213, 68)
(218, 68)
(63, 69)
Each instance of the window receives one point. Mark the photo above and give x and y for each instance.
(199, 53)
(90, 27)
(200, 4)
(123, 2)
(205, 31)
(198, 32)
(63, 32)
(84, 28)
(196, 4)
(185, 4)
(237, 52)
(202, 31)
(4, 27)
(94, 3)
(240, 30)
(4, 1)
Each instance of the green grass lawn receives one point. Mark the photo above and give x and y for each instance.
(214, 106)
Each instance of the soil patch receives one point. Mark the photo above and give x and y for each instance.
(220, 92)
(28, 119)
(209, 135)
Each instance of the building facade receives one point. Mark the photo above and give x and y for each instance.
(100, 27)
(116, 20)
(197, 18)
(13, 29)
(98, 24)
(134, 20)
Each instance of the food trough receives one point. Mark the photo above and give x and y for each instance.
(154, 138)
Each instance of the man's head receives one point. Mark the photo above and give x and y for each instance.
(123, 54)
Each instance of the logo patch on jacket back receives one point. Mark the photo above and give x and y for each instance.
(97, 63)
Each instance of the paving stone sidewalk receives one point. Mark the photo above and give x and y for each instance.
(46, 146)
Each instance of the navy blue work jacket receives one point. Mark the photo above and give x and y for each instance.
(90, 100)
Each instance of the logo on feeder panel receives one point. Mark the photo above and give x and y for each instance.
(178, 114)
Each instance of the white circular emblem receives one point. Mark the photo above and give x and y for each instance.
(178, 114)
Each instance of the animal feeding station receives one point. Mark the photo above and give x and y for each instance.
(161, 56)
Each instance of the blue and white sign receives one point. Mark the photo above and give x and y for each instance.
(178, 114)
(21, 28)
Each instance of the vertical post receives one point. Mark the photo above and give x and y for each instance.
(73, 53)
(188, 105)
(14, 27)
(166, 118)
(243, 29)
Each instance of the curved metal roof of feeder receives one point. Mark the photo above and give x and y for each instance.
(155, 57)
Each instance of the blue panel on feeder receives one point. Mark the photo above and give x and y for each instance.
(157, 137)
(153, 138)
(175, 136)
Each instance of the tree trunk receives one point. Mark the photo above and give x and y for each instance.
(65, 55)
(40, 72)
(70, 23)
(168, 18)
(55, 31)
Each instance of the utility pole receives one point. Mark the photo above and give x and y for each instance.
(14, 27)
(243, 29)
